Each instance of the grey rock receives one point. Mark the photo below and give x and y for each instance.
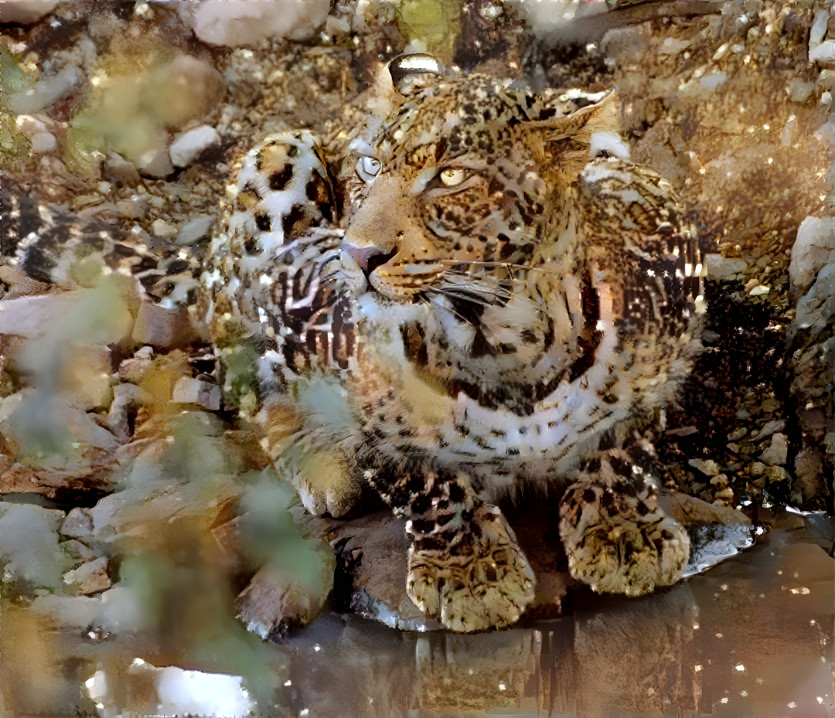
(78, 524)
(199, 392)
(720, 268)
(189, 145)
(813, 249)
(195, 229)
(155, 162)
(236, 23)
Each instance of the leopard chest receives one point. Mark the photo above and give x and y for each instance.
(519, 433)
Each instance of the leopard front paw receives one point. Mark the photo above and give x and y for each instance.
(479, 580)
(618, 540)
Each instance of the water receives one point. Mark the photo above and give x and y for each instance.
(751, 637)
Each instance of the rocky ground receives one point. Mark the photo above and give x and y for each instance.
(132, 500)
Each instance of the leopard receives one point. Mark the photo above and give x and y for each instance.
(469, 289)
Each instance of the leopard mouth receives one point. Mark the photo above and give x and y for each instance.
(404, 281)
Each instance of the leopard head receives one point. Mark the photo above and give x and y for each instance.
(459, 202)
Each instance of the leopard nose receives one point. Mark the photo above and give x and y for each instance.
(368, 258)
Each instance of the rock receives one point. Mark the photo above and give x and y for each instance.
(199, 392)
(76, 551)
(810, 479)
(800, 91)
(813, 249)
(195, 229)
(374, 549)
(155, 162)
(125, 398)
(771, 427)
(120, 171)
(720, 269)
(275, 602)
(134, 368)
(191, 144)
(821, 50)
(25, 11)
(238, 23)
(37, 131)
(816, 309)
(160, 328)
(91, 577)
(29, 316)
(170, 690)
(46, 91)
(117, 610)
(54, 434)
(43, 142)
(163, 229)
(78, 524)
(134, 208)
(777, 453)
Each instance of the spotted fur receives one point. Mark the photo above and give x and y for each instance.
(472, 288)
(52, 245)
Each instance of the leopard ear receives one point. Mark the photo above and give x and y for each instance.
(410, 73)
(570, 141)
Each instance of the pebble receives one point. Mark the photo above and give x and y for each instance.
(236, 23)
(198, 392)
(78, 524)
(163, 229)
(776, 454)
(155, 162)
(771, 427)
(43, 142)
(133, 208)
(120, 171)
(719, 268)
(76, 551)
(36, 130)
(800, 91)
(195, 229)
(189, 145)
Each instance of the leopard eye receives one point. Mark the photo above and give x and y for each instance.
(368, 168)
(453, 176)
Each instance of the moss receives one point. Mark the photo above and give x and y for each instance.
(14, 147)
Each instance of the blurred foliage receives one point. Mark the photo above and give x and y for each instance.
(273, 533)
(436, 25)
(139, 93)
(241, 377)
(13, 145)
(29, 550)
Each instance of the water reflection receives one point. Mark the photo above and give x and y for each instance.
(752, 637)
